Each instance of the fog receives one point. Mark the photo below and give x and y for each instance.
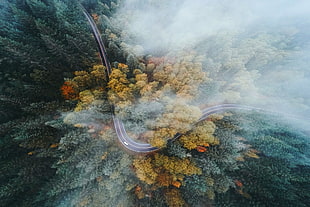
(182, 23)
(256, 52)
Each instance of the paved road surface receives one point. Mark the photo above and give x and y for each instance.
(122, 135)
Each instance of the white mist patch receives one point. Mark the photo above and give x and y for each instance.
(257, 52)
(178, 24)
(287, 84)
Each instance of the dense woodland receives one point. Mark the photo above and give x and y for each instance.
(58, 146)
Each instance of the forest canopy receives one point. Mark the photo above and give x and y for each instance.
(171, 62)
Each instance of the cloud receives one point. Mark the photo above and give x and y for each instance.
(174, 24)
(256, 52)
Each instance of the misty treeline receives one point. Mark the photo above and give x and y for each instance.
(42, 43)
(58, 146)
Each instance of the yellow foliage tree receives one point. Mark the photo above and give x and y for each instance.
(175, 165)
(121, 90)
(144, 170)
(82, 79)
(174, 198)
(90, 85)
(179, 118)
(98, 75)
(93, 78)
(164, 179)
(183, 76)
(86, 98)
(157, 140)
(149, 91)
(162, 170)
(201, 135)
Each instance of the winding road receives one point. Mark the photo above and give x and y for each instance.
(122, 135)
(132, 145)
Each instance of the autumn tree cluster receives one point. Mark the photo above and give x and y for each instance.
(172, 82)
(166, 173)
(88, 87)
(197, 165)
(235, 159)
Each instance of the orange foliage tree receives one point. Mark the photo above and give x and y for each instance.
(86, 87)
(164, 171)
(69, 91)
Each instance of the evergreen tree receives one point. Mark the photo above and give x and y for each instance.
(41, 43)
